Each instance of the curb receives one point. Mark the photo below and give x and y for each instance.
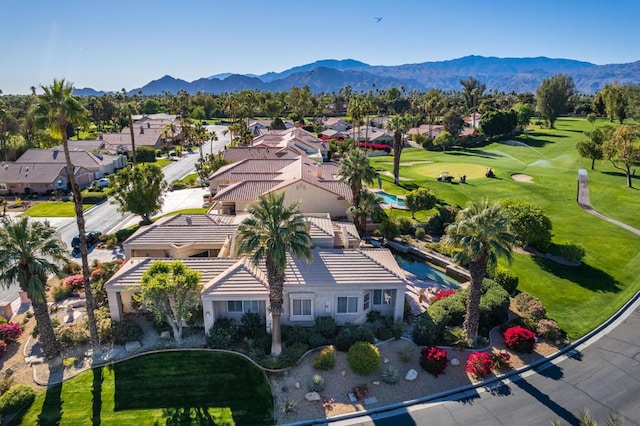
(583, 342)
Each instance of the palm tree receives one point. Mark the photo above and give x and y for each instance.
(399, 125)
(368, 206)
(28, 255)
(480, 231)
(58, 109)
(354, 169)
(169, 132)
(273, 229)
(128, 110)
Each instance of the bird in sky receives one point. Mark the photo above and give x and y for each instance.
(378, 20)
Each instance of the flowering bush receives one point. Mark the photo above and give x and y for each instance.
(501, 360)
(3, 347)
(75, 282)
(361, 391)
(549, 329)
(10, 332)
(433, 359)
(479, 365)
(520, 339)
(442, 294)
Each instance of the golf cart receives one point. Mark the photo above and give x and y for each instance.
(445, 177)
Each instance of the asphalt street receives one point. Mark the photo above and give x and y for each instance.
(603, 377)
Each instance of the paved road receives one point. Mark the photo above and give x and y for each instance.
(603, 377)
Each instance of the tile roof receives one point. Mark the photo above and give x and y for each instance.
(33, 172)
(79, 158)
(251, 169)
(185, 229)
(239, 153)
(242, 278)
(249, 190)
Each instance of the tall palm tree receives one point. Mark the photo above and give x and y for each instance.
(354, 169)
(480, 231)
(268, 234)
(58, 109)
(28, 255)
(368, 206)
(399, 125)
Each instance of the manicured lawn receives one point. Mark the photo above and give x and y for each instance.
(184, 387)
(54, 209)
(195, 210)
(162, 162)
(579, 298)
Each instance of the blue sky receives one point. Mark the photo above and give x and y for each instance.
(114, 44)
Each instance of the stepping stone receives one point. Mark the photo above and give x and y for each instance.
(132, 346)
(370, 400)
(352, 398)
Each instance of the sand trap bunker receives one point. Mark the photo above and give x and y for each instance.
(519, 177)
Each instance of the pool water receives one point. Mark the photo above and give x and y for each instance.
(424, 271)
(390, 199)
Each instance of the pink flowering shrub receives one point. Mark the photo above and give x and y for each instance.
(75, 283)
(520, 339)
(10, 332)
(433, 360)
(442, 294)
(3, 347)
(479, 365)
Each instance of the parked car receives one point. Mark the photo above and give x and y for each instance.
(103, 182)
(92, 240)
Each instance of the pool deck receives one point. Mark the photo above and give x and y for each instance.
(387, 205)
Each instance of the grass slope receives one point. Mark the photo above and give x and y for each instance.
(54, 209)
(183, 387)
(579, 298)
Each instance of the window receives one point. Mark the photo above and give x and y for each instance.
(301, 307)
(234, 305)
(250, 306)
(367, 301)
(382, 297)
(347, 305)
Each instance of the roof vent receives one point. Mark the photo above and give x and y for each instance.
(141, 130)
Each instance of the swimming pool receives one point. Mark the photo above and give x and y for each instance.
(424, 271)
(391, 199)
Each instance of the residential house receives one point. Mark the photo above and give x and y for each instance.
(429, 130)
(258, 127)
(235, 154)
(371, 135)
(335, 123)
(473, 120)
(98, 163)
(28, 178)
(314, 186)
(299, 141)
(334, 134)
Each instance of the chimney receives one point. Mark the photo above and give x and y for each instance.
(141, 130)
(55, 153)
(318, 171)
(148, 124)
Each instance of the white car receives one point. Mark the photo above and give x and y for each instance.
(103, 182)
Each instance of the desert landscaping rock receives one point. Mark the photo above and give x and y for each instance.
(454, 361)
(312, 396)
(411, 375)
(132, 346)
(165, 335)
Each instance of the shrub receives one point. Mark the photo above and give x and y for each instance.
(326, 326)
(479, 365)
(457, 337)
(405, 225)
(123, 234)
(455, 307)
(501, 360)
(549, 329)
(16, 398)
(528, 223)
(390, 375)
(442, 294)
(494, 306)
(388, 228)
(344, 339)
(572, 251)
(433, 360)
(397, 329)
(383, 333)
(506, 278)
(292, 354)
(251, 325)
(326, 359)
(10, 332)
(288, 407)
(61, 292)
(530, 307)
(223, 333)
(520, 339)
(317, 383)
(373, 316)
(126, 331)
(71, 267)
(427, 329)
(6, 383)
(296, 334)
(94, 198)
(316, 340)
(3, 347)
(363, 334)
(72, 335)
(363, 358)
(75, 282)
(420, 233)
(145, 155)
(406, 353)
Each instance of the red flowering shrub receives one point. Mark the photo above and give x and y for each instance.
(10, 332)
(520, 339)
(3, 347)
(75, 282)
(433, 360)
(479, 365)
(442, 294)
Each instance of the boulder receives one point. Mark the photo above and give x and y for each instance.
(312, 396)
(132, 346)
(411, 375)
(165, 335)
(297, 385)
(454, 361)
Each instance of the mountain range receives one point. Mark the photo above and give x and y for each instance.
(330, 75)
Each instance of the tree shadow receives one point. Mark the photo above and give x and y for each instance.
(96, 392)
(585, 275)
(470, 152)
(196, 416)
(546, 401)
(550, 371)
(546, 135)
(51, 413)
